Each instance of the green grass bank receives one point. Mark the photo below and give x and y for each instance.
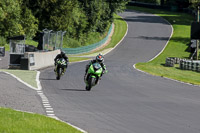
(20, 122)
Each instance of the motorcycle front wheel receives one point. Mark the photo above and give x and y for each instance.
(58, 73)
(87, 88)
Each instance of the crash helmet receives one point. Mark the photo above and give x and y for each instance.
(100, 58)
(62, 53)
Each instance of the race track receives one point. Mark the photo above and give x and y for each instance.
(126, 100)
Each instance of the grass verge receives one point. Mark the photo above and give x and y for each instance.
(25, 75)
(177, 47)
(20, 122)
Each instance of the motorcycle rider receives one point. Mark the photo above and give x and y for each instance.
(59, 56)
(99, 59)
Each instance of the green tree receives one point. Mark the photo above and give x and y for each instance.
(98, 14)
(116, 6)
(65, 15)
(16, 19)
(42, 10)
(10, 14)
(29, 23)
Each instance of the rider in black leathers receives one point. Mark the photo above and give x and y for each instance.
(61, 55)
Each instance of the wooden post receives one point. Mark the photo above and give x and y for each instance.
(197, 40)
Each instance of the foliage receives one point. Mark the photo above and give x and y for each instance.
(29, 23)
(80, 18)
(148, 1)
(194, 4)
(116, 6)
(16, 19)
(179, 3)
(2, 41)
(10, 18)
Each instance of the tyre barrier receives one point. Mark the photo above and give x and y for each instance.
(170, 61)
(184, 64)
(190, 65)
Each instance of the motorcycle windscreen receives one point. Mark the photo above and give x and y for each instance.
(97, 69)
(61, 62)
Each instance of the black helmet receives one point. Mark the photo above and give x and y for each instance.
(62, 52)
(100, 58)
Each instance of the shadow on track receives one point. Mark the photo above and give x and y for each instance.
(47, 79)
(73, 89)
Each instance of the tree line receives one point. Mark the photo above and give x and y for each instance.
(79, 18)
(180, 3)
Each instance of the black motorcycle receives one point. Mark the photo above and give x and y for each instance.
(61, 65)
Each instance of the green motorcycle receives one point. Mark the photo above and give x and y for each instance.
(93, 75)
(61, 65)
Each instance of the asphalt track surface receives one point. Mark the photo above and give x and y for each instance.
(126, 100)
(16, 95)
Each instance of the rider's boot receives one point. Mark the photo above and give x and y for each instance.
(55, 68)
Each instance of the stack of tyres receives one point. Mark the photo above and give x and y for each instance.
(189, 64)
(181, 64)
(198, 67)
(193, 66)
(169, 62)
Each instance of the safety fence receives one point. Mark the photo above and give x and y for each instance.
(52, 40)
(88, 48)
(184, 64)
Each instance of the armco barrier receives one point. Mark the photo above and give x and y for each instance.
(88, 48)
(38, 60)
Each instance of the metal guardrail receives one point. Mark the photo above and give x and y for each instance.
(88, 48)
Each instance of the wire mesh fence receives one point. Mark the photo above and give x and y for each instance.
(88, 48)
(52, 39)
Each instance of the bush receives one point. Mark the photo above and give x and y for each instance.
(70, 43)
(148, 1)
(2, 41)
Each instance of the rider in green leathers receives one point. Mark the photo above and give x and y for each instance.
(99, 59)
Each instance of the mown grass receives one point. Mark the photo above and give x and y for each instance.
(20, 122)
(177, 47)
(25, 75)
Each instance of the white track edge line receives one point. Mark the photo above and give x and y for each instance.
(46, 103)
(20, 80)
(39, 91)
